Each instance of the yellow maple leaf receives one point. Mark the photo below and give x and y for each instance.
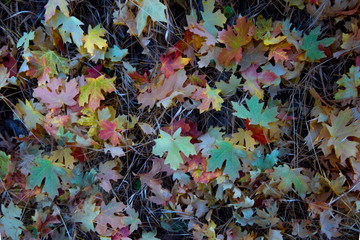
(93, 40)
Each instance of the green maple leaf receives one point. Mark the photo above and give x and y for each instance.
(152, 8)
(116, 54)
(350, 81)
(64, 137)
(311, 45)
(4, 164)
(267, 163)
(255, 114)
(173, 145)
(149, 235)
(49, 171)
(25, 39)
(86, 214)
(229, 89)
(68, 26)
(10, 222)
(132, 220)
(212, 19)
(288, 177)
(229, 153)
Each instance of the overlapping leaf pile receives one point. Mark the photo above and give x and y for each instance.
(219, 130)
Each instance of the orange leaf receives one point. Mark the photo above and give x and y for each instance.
(235, 39)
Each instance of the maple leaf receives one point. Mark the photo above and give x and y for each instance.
(197, 79)
(173, 145)
(46, 63)
(49, 171)
(197, 165)
(11, 225)
(114, 151)
(31, 116)
(254, 80)
(39, 69)
(350, 40)
(91, 92)
(212, 19)
(132, 219)
(336, 185)
(230, 153)
(202, 32)
(109, 130)
(311, 45)
(11, 65)
(4, 76)
(4, 164)
(265, 163)
(63, 155)
(253, 56)
(45, 221)
(149, 236)
(263, 28)
(257, 132)
(55, 98)
(330, 224)
(139, 79)
(208, 96)
(244, 138)
(341, 129)
(171, 62)
(207, 141)
(68, 26)
(93, 39)
(162, 196)
(64, 137)
(288, 177)
(235, 39)
(25, 40)
(299, 229)
(89, 119)
(109, 216)
(166, 89)
(125, 16)
(278, 52)
(153, 8)
(106, 173)
(350, 81)
(53, 122)
(229, 89)
(116, 54)
(256, 114)
(86, 213)
(188, 128)
(50, 8)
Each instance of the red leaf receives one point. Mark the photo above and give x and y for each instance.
(11, 65)
(187, 129)
(258, 132)
(109, 131)
(139, 79)
(172, 61)
(94, 72)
